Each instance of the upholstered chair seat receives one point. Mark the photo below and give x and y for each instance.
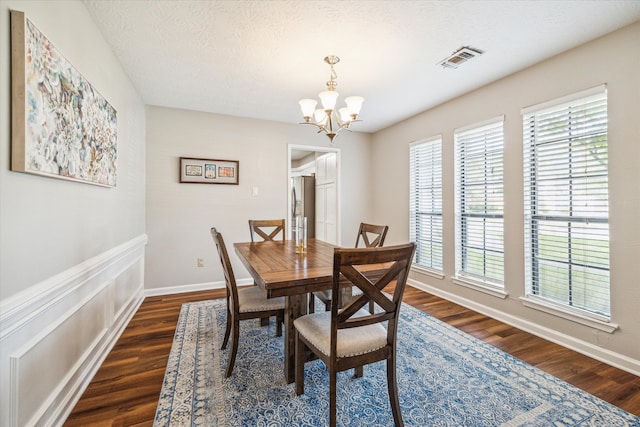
(254, 299)
(316, 328)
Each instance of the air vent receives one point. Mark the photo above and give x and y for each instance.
(460, 56)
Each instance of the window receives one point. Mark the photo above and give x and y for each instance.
(425, 202)
(566, 202)
(480, 203)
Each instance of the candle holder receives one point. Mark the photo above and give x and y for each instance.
(301, 235)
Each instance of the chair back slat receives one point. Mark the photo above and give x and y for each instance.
(371, 270)
(267, 229)
(371, 235)
(229, 277)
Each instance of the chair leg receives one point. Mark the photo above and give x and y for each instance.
(392, 386)
(358, 372)
(300, 356)
(227, 331)
(264, 321)
(279, 322)
(234, 348)
(332, 399)
(312, 303)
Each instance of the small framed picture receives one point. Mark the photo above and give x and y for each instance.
(209, 171)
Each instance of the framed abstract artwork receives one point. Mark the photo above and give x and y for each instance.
(61, 126)
(209, 171)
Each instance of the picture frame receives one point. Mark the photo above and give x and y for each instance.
(209, 171)
(61, 126)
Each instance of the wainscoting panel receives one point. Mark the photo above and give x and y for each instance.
(55, 335)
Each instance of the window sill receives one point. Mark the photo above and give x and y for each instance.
(490, 290)
(593, 321)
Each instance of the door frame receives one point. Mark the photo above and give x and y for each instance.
(321, 150)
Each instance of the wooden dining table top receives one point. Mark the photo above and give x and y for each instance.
(277, 268)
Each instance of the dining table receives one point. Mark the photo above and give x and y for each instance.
(282, 272)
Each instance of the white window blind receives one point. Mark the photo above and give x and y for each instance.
(425, 202)
(480, 203)
(566, 202)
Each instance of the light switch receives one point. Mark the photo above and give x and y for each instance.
(254, 190)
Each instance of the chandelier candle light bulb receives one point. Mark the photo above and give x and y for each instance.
(328, 119)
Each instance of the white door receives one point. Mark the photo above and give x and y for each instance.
(326, 198)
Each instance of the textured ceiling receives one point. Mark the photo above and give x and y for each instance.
(258, 58)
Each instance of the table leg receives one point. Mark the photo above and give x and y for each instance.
(295, 306)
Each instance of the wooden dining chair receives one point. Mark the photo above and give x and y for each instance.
(372, 236)
(243, 303)
(267, 229)
(351, 337)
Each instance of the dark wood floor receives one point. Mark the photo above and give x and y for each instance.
(126, 388)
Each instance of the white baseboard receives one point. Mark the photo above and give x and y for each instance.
(603, 355)
(55, 335)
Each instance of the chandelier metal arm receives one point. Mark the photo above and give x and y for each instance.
(329, 120)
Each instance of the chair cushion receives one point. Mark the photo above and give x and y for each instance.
(326, 295)
(254, 299)
(316, 328)
(323, 295)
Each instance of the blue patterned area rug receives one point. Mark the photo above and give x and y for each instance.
(445, 378)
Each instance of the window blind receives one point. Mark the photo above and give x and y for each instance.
(480, 203)
(566, 202)
(425, 202)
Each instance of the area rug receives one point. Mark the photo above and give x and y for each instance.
(445, 378)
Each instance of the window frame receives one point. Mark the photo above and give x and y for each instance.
(430, 195)
(534, 216)
(479, 139)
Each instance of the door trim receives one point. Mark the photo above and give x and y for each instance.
(311, 149)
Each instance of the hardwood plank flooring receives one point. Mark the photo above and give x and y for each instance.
(125, 390)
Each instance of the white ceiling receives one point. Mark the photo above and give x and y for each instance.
(258, 58)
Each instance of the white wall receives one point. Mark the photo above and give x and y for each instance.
(180, 216)
(606, 60)
(71, 254)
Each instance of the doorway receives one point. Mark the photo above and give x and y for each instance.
(323, 163)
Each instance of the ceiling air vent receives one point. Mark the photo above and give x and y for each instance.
(460, 56)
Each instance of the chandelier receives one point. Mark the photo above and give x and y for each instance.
(327, 119)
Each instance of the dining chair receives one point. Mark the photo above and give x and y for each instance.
(351, 337)
(267, 229)
(243, 303)
(372, 236)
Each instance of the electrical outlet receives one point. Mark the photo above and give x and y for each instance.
(200, 262)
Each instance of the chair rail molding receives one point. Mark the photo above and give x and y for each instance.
(55, 335)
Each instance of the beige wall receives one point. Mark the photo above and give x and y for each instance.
(179, 216)
(606, 60)
(71, 254)
(48, 225)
